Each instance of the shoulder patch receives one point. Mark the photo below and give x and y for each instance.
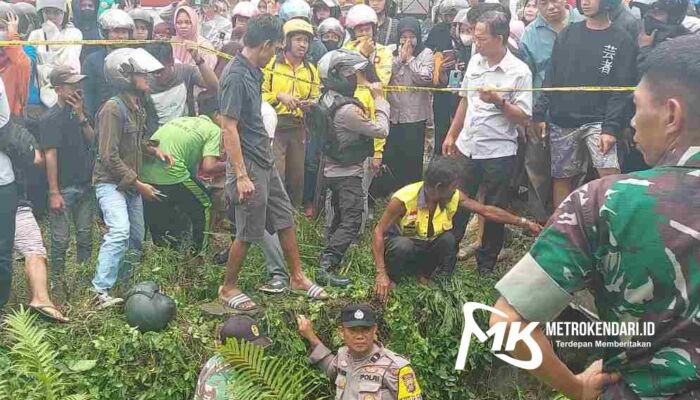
(408, 384)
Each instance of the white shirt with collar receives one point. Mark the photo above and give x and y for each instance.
(487, 133)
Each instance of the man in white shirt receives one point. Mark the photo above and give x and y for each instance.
(483, 136)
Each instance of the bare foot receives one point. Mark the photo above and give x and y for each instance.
(303, 283)
(226, 297)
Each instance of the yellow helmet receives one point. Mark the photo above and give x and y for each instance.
(298, 25)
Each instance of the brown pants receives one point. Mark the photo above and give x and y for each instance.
(290, 151)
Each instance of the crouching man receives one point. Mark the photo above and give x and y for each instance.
(414, 236)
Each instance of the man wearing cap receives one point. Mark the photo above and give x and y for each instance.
(215, 376)
(67, 139)
(363, 369)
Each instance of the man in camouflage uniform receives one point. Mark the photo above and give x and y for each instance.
(363, 369)
(634, 241)
(216, 375)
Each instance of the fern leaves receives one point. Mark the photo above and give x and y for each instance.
(32, 356)
(259, 377)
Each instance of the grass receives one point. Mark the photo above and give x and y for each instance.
(422, 322)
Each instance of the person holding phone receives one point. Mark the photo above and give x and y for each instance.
(67, 138)
(291, 97)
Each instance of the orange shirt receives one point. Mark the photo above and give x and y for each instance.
(15, 75)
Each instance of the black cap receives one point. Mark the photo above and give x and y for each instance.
(358, 315)
(243, 327)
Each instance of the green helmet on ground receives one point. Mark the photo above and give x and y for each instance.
(147, 308)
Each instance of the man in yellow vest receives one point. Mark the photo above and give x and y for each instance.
(291, 84)
(414, 237)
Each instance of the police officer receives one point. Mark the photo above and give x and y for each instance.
(363, 369)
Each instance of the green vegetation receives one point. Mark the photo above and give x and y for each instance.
(99, 356)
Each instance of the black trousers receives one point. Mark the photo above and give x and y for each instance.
(347, 200)
(8, 210)
(403, 157)
(187, 206)
(444, 107)
(405, 256)
(494, 176)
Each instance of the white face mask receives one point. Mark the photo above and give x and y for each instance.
(465, 38)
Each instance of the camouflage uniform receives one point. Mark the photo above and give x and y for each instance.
(213, 380)
(382, 375)
(634, 241)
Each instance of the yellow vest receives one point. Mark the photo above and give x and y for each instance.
(415, 222)
(275, 81)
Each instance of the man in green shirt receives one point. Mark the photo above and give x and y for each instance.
(182, 199)
(633, 240)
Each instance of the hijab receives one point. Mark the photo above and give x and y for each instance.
(180, 52)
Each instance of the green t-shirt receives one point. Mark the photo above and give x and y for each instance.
(187, 140)
(634, 241)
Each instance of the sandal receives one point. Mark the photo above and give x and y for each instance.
(236, 303)
(45, 313)
(314, 292)
(275, 286)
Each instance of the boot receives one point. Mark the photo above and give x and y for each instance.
(325, 275)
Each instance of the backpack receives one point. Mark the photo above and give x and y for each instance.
(319, 122)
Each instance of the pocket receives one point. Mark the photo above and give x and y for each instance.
(340, 382)
(370, 390)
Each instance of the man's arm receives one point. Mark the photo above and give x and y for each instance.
(206, 73)
(320, 356)
(585, 386)
(211, 165)
(448, 145)
(392, 214)
(55, 198)
(497, 214)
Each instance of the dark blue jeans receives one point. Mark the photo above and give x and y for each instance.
(8, 209)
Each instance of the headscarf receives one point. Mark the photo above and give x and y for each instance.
(413, 25)
(180, 52)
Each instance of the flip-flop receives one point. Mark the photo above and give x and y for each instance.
(41, 310)
(235, 303)
(314, 292)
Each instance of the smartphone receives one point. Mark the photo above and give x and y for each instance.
(455, 80)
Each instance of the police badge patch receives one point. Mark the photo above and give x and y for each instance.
(408, 385)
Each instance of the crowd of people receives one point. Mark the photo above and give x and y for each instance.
(235, 116)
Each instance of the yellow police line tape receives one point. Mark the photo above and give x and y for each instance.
(389, 88)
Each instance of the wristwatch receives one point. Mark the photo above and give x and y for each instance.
(523, 221)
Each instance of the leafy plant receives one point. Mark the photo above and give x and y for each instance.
(31, 356)
(259, 377)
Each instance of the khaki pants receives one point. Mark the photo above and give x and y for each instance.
(290, 150)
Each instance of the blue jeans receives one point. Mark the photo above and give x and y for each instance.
(80, 207)
(122, 244)
(274, 257)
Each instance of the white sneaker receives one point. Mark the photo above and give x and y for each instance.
(104, 300)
